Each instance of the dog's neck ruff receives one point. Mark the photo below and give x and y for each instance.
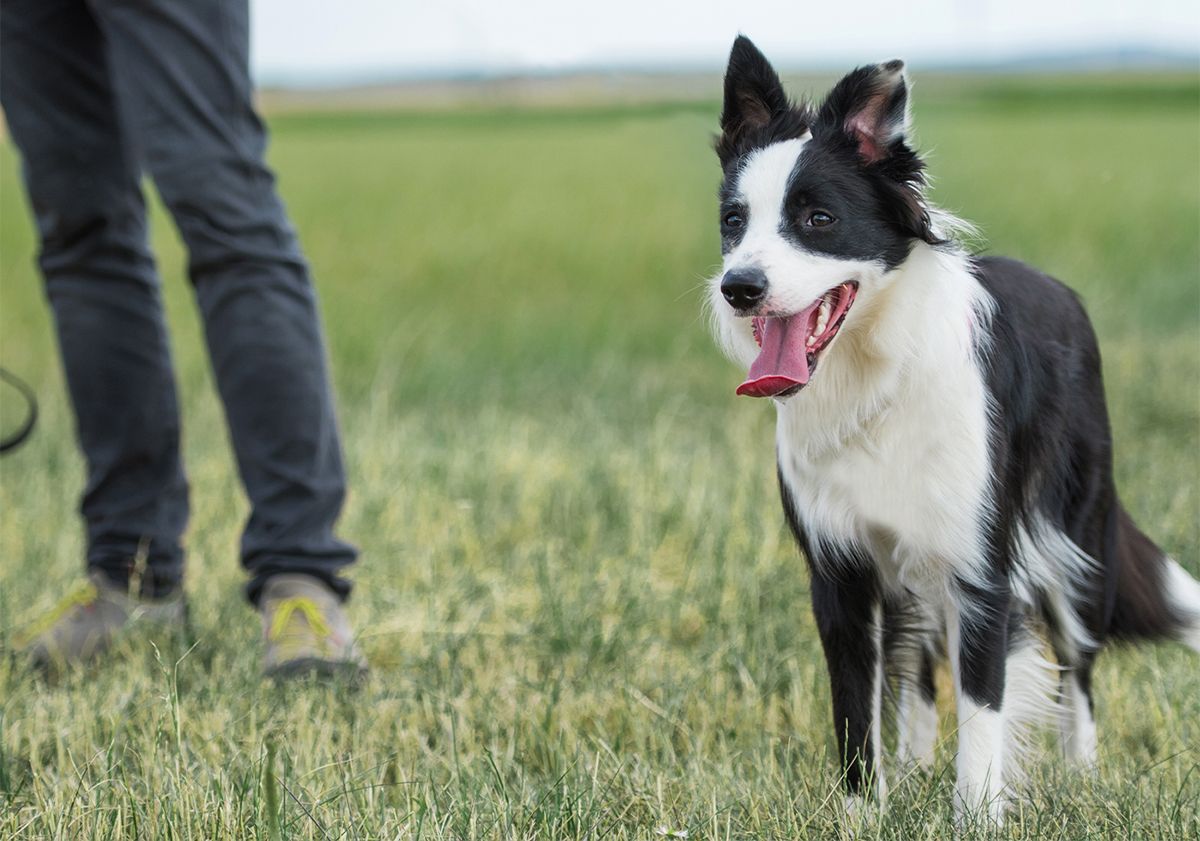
(912, 343)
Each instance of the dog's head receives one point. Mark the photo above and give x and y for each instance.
(818, 206)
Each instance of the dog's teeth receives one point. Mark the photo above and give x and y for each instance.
(812, 340)
(822, 318)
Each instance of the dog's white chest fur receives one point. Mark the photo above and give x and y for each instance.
(888, 450)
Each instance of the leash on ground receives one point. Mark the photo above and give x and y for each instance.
(18, 438)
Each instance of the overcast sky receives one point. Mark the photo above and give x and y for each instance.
(312, 40)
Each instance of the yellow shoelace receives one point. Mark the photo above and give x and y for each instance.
(82, 595)
(306, 608)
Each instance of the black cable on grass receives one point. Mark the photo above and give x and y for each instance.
(17, 438)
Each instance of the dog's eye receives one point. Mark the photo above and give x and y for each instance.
(733, 220)
(819, 219)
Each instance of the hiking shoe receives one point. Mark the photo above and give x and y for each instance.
(90, 618)
(306, 630)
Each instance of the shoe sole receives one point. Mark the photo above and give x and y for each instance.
(138, 634)
(315, 667)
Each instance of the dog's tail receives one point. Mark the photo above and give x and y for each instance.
(1156, 597)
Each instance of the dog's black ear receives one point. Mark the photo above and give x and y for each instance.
(753, 97)
(870, 106)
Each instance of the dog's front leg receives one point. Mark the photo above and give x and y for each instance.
(977, 627)
(848, 613)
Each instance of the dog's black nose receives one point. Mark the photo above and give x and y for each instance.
(744, 288)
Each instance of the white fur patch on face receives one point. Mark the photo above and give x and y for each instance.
(795, 277)
(762, 186)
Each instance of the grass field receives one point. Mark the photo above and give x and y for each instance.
(585, 617)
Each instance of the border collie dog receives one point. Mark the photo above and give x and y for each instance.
(943, 446)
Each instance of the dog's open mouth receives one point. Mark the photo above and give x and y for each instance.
(791, 346)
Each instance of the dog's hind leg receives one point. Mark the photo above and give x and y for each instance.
(1074, 632)
(916, 714)
(1077, 722)
(1030, 694)
(908, 644)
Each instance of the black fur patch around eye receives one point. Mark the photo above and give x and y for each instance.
(731, 237)
(868, 227)
(879, 206)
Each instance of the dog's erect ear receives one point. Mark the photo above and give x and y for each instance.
(870, 105)
(753, 96)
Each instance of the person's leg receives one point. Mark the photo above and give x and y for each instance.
(100, 280)
(181, 71)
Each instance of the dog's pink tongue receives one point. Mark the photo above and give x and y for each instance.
(782, 364)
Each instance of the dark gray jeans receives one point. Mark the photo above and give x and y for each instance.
(95, 92)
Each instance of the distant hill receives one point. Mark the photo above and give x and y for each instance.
(1130, 57)
(1138, 71)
